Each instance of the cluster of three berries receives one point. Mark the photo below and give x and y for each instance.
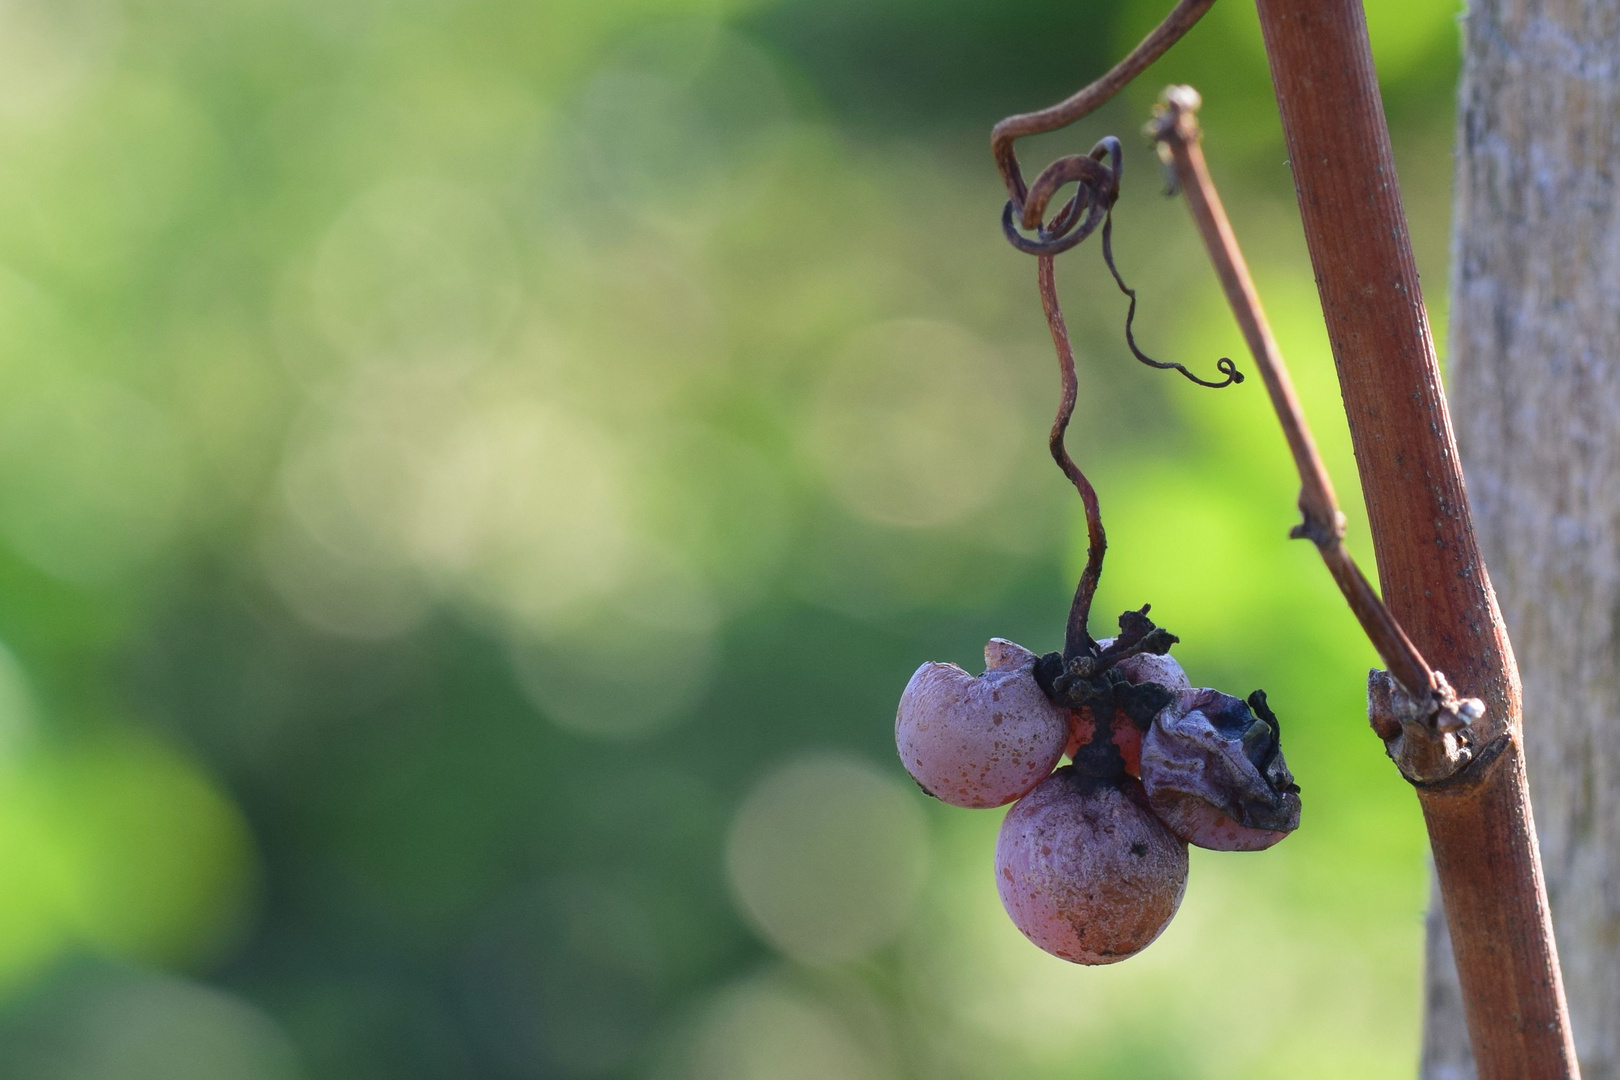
(1090, 865)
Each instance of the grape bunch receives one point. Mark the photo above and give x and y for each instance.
(1091, 862)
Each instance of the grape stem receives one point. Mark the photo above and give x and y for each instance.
(1099, 187)
(1077, 640)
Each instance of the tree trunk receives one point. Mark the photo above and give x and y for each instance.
(1535, 387)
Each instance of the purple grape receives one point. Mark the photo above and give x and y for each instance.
(980, 741)
(1086, 871)
(1164, 670)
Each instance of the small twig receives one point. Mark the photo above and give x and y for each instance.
(1066, 112)
(1175, 128)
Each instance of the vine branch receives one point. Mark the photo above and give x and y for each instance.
(1175, 129)
(1176, 24)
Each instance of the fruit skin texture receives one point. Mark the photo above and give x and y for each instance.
(1086, 871)
(980, 741)
(1215, 774)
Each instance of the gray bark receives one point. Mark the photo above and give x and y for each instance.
(1535, 389)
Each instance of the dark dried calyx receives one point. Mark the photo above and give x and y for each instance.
(1265, 749)
(1094, 682)
(1092, 679)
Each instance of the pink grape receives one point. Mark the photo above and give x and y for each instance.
(1215, 774)
(1086, 871)
(980, 741)
(1127, 737)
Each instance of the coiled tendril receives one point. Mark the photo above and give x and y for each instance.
(1096, 191)
(1224, 365)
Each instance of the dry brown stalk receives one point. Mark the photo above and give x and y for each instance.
(1477, 807)
(1076, 638)
(1176, 131)
(1077, 105)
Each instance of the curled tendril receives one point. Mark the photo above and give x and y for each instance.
(1224, 365)
(1097, 189)
(1081, 104)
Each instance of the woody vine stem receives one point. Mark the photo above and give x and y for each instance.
(1465, 763)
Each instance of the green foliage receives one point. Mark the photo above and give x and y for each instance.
(471, 473)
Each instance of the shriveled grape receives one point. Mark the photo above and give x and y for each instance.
(1215, 774)
(980, 741)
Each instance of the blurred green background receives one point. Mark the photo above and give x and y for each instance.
(475, 476)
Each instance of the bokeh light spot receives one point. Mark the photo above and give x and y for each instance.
(107, 1025)
(91, 478)
(49, 49)
(417, 272)
(627, 664)
(525, 511)
(164, 865)
(760, 1030)
(826, 857)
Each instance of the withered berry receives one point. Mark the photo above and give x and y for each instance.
(980, 741)
(1214, 772)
